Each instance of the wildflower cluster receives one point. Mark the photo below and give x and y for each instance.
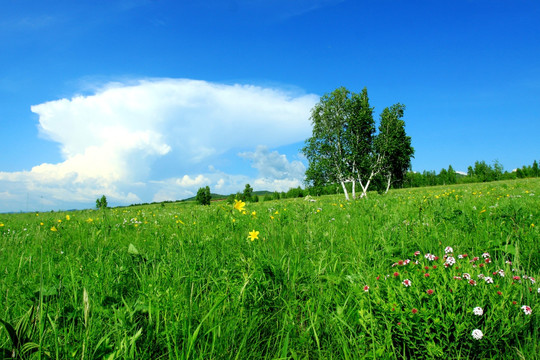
(470, 288)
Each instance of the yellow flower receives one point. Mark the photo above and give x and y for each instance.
(277, 212)
(271, 217)
(89, 220)
(483, 211)
(244, 212)
(54, 228)
(532, 225)
(41, 224)
(59, 221)
(68, 217)
(254, 213)
(1, 225)
(239, 205)
(253, 235)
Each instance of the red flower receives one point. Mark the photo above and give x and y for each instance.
(426, 267)
(436, 258)
(378, 277)
(400, 262)
(396, 274)
(499, 293)
(430, 291)
(514, 303)
(426, 275)
(434, 266)
(414, 310)
(481, 265)
(399, 323)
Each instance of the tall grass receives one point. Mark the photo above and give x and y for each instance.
(185, 282)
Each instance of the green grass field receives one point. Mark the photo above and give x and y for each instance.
(323, 279)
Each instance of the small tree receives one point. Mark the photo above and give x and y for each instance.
(203, 196)
(248, 193)
(101, 203)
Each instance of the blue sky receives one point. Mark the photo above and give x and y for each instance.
(149, 100)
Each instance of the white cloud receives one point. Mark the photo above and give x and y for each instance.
(275, 171)
(187, 181)
(111, 140)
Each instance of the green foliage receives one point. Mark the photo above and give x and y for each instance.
(248, 193)
(280, 279)
(203, 196)
(101, 203)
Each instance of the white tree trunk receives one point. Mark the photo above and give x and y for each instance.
(389, 182)
(354, 189)
(345, 190)
(364, 188)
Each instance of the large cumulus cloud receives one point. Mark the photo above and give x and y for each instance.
(111, 139)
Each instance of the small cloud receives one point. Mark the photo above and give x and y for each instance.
(187, 181)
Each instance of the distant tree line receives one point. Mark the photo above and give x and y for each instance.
(480, 172)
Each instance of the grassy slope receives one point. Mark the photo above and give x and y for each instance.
(193, 286)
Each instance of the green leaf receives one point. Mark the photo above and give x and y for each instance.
(133, 250)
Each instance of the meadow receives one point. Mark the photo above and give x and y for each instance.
(440, 272)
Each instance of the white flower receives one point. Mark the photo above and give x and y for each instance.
(480, 276)
(448, 249)
(501, 272)
(478, 311)
(429, 256)
(450, 261)
(477, 334)
(485, 255)
(532, 280)
(407, 282)
(526, 309)
(489, 280)
(466, 276)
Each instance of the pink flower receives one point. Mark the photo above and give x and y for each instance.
(488, 260)
(472, 282)
(448, 249)
(416, 253)
(426, 275)
(366, 288)
(414, 310)
(499, 293)
(485, 255)
(430, 291)
(396, 274)
(526, 309)
(466, 276)
(407, 282)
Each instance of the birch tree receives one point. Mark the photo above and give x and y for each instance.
(327, 150)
